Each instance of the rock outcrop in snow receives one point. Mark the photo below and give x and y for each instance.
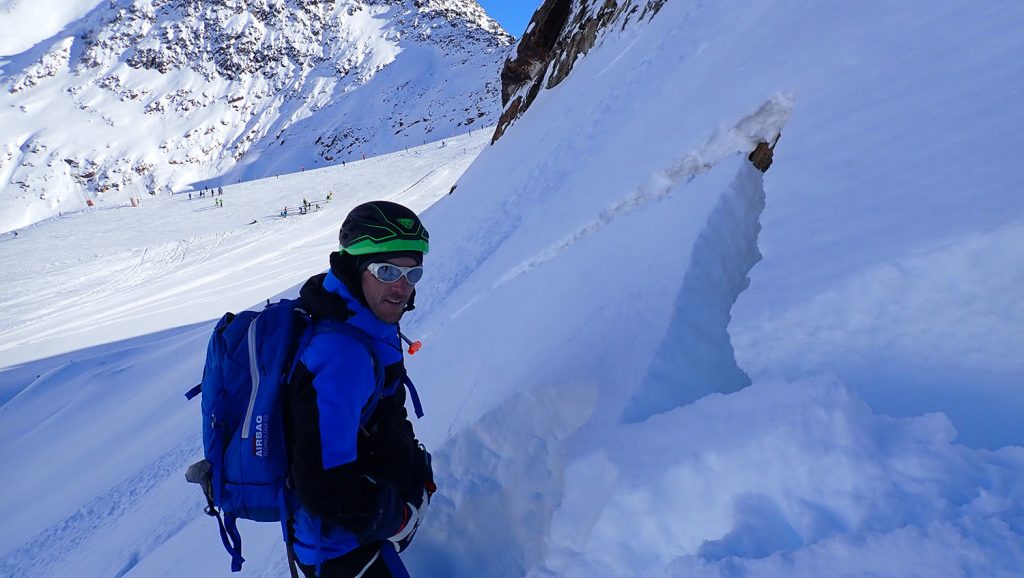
(560, 32)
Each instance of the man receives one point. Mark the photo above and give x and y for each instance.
(362, 479)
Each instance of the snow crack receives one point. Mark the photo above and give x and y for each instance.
(764, 125)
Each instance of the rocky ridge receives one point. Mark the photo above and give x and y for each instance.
(560, 32)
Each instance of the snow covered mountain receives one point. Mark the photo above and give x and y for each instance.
(150, 97)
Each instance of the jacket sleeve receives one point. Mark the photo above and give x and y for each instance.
(332, 384)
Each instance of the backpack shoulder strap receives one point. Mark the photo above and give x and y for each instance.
(378, 370)
(416, 405)
(304, 338)
(367, 342)
(405, 381)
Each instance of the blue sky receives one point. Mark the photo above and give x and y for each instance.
(513, 15)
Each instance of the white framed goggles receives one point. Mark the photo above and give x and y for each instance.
(388, 273)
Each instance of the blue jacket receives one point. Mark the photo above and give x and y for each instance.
(353, 452)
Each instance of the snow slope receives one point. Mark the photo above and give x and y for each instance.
(126, 272)
(47, 17)
(588, 281)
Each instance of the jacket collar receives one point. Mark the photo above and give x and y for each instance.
(361, 317)
(326, 296)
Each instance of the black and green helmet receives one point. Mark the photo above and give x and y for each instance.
(382, 227)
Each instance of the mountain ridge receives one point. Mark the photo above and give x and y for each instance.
(158, 97)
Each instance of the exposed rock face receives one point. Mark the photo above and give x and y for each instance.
(762, 155)
(53, 61)
(536, 47)
(560, 32)
(155, 95)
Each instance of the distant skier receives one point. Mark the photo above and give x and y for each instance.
(190, 196)
(220, 191)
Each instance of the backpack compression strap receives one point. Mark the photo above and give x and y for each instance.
(194, 391)
(232, 540)
(201, 473)
(416, 405)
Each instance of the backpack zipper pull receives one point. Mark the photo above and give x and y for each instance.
(414, 346)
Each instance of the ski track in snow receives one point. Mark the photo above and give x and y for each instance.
(94, 284)
(51, 548)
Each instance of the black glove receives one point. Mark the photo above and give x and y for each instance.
(417, 499)
(413, 518)
(423, 472)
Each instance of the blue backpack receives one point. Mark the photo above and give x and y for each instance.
(250, 358)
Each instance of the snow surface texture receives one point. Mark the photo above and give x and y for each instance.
(128, 271)
(582, 263)
(134, 98)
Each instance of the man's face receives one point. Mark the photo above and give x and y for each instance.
(387, 300)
